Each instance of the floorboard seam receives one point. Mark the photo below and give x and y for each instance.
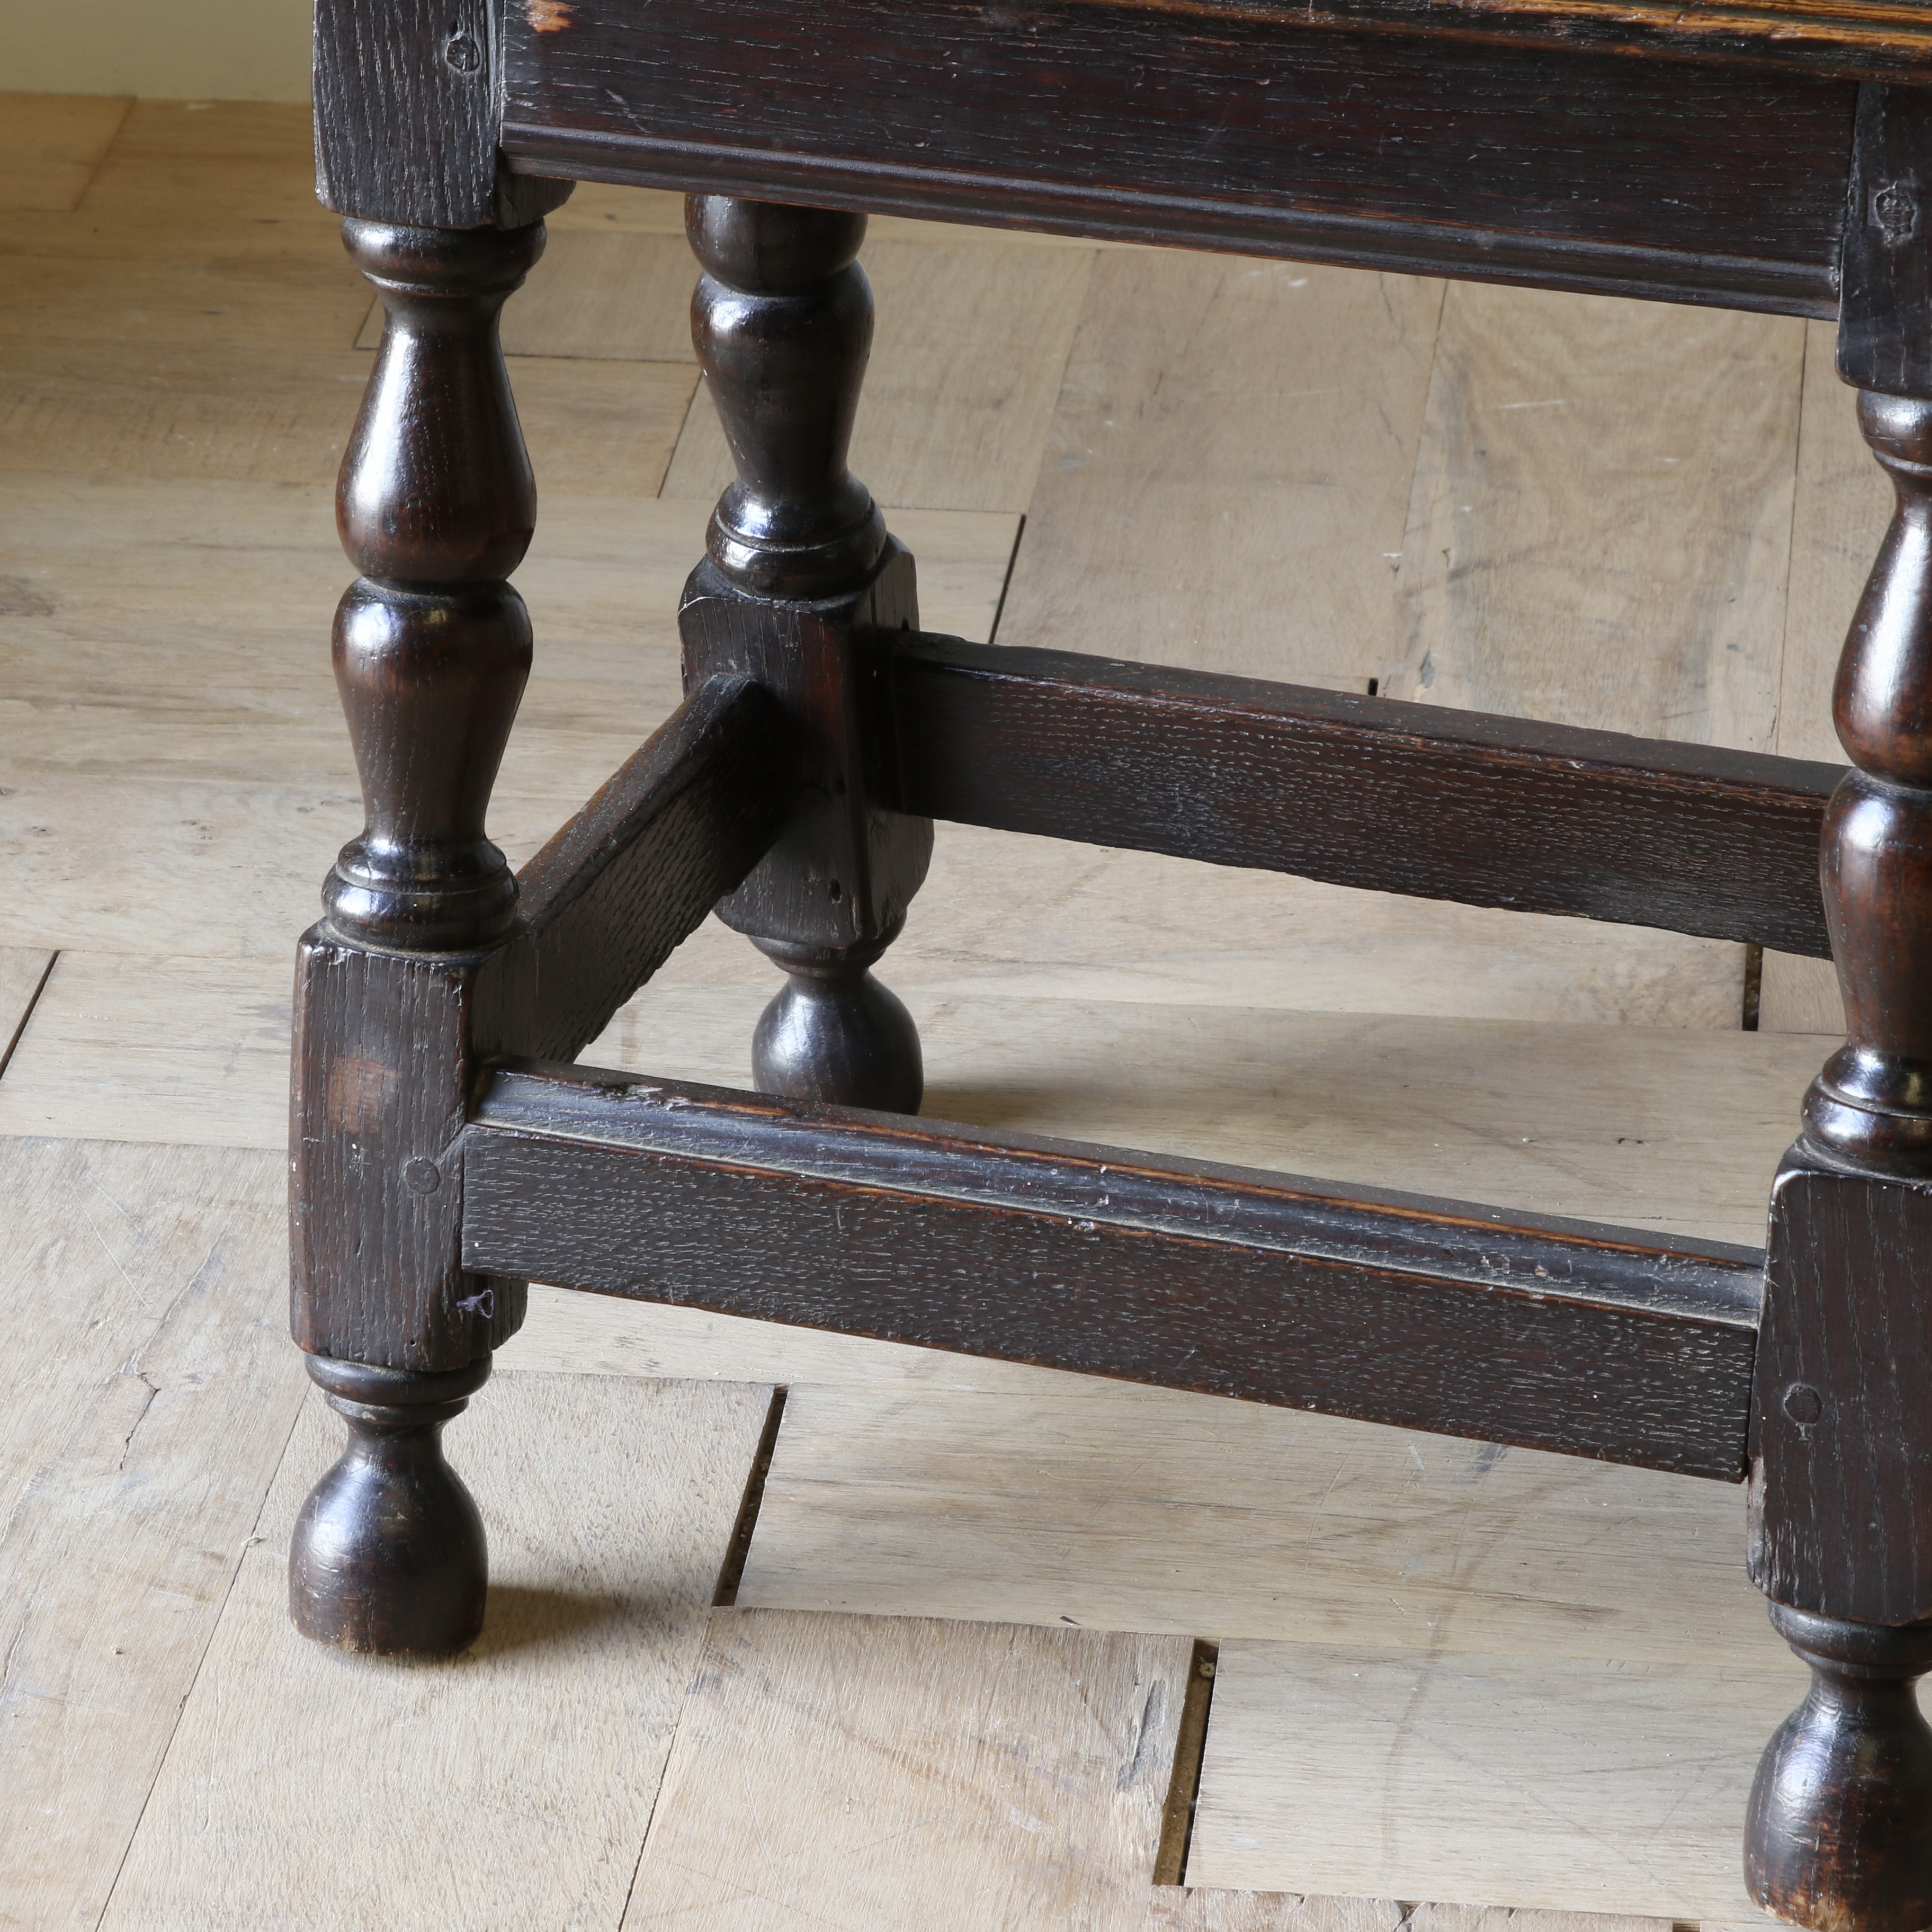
(731, 1573)
(724, 1596)
(33, 1000)
(248, 1543)
(112, 142)
(1006, 580)
(1415, 455)
(683, 430)
(1190, 1749)
(1791, 541)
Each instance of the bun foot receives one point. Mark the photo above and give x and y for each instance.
(1838, 1835)
(834, 1035)
(388, 1556)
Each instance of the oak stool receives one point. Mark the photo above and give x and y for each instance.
(1769, 154)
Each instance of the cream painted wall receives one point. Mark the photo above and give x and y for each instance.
(173, 50)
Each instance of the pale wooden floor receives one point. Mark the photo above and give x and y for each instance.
(950, 1692)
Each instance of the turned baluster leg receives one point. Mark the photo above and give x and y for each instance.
(388, 1555)
(1839, 1835)
(435, 508)
(1840, 1811)
(802, 589)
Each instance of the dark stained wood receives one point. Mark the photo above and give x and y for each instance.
(802, 592)
(1817, 36)
(1840, 1449)
(637, 870)
(406, 110)
(1872, 1105)
(782, 323)
(833, 1035)
(830, 894)
(388, 1045)
(388, 1555)
(385, 1051)
(1875, 40)
(845, 867)
(1434, 1316)
(1839, 1830)
(1234, 126)
(1884, 327)
(1364, 791)
(436, 507)
(405, 119)
(1840, 1826)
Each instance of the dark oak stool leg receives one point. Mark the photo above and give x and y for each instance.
(800, 590)
(1840, 1825)
(1839, 1828)
(1839, 1835)
(415, 1585)
(436, 506)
